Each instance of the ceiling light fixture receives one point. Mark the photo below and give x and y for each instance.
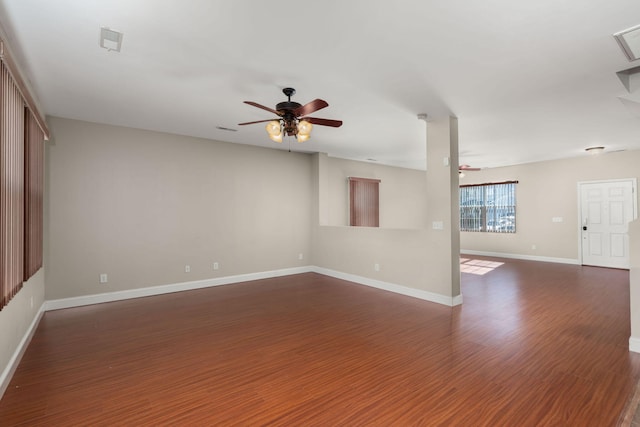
(594, 150)
(293, 120)
(110, 39)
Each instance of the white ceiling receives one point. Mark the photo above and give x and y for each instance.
(528, 81)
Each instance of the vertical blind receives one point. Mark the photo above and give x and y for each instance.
(34, 195)
(364, 202)
(488, 207)
(11, 187)
(22, 135)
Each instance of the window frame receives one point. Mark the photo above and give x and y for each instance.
(485, 216)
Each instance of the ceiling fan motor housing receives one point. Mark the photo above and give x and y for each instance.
(287, 107)
(286, 110)
(283, 107)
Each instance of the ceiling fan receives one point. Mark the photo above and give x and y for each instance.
(292, 118)
(465, 168)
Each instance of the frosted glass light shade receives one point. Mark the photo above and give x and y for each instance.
(273, 128)
(302, 137)
(304, 127)
(276, 138)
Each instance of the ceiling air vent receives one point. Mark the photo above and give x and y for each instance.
(110, 39)
(629, 41)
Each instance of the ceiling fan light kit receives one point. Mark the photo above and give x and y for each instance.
(290, 121)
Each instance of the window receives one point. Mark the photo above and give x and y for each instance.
(364, 202)
(33, 194)
(488, 207)
(22, 135)
(11, 187)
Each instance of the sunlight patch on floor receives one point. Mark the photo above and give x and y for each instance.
(478, 266)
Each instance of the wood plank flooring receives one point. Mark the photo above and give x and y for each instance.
(534, 344)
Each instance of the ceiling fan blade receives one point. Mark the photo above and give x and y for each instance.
(315, 105)
(323, 122)
(258, 121)
(467, 168)
(255, 104)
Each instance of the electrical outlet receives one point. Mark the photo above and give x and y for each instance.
(216, 266)
(534, 247)
(187, 269)
(104, 278)
(376, 266)
(300, 256)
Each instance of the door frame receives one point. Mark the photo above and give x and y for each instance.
(634, 185)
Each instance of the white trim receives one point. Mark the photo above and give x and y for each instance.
(187, 286)
(520, 256)
(391, 287)
(166, 289)
(457, 300)
(11, 367)
(634, 344)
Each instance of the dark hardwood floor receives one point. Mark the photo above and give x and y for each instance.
(534, 344)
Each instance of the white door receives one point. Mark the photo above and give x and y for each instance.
(606, 209)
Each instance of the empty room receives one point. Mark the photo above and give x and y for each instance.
(305, 213)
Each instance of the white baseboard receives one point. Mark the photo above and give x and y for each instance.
(11, 367)
(457, 300)
(391, 287)
(166, 289)
(199, 284)
(634, 345)
(520, 256)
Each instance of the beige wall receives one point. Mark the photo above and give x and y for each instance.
(16, 318)
(442, 200)
(547, 190)
(141, 205)
(400, 251)
(402, 201)
(419, 258)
